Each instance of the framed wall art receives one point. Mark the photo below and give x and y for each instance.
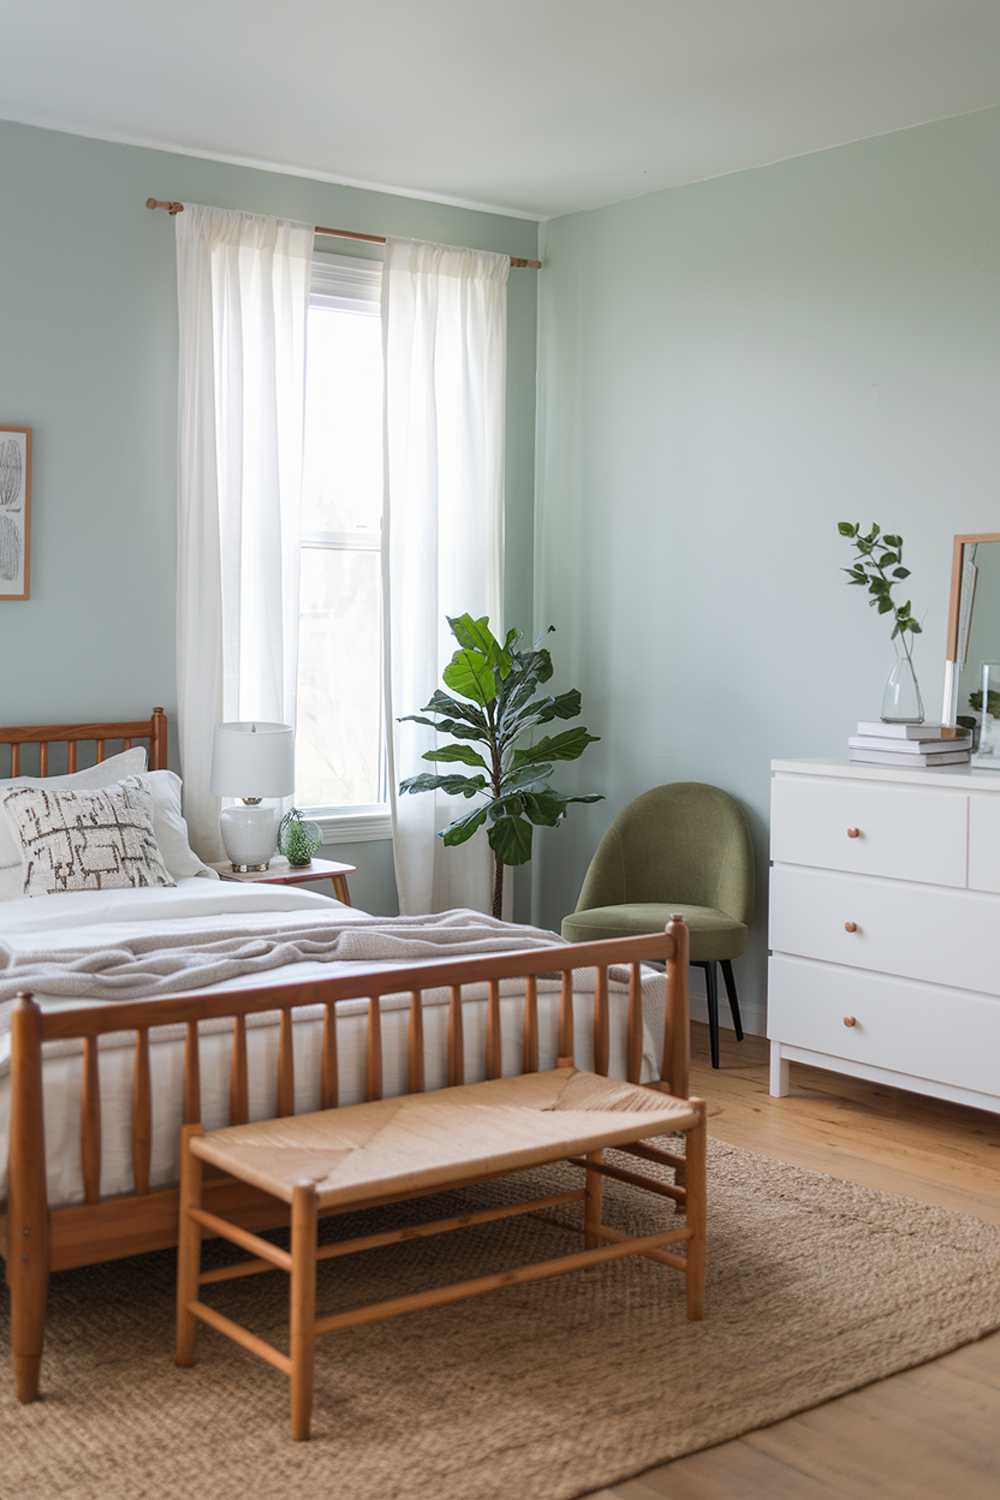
(15, 512)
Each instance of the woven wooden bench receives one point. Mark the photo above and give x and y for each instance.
(366, 1154)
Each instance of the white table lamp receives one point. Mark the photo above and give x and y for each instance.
(252, 761)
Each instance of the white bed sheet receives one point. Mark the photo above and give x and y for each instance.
(79, 919)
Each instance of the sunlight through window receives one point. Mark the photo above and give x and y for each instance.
(340, 731)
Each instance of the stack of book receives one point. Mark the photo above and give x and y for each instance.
(879, 744)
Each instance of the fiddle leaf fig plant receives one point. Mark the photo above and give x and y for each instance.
(497, 698)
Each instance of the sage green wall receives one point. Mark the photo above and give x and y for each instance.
(725, 370)
(88, 339)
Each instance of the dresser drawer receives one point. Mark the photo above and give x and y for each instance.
(938, 1034)
(984, 841)
(868, 828)
(944, 937)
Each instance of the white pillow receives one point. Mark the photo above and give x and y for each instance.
(101, 839)
(170, 827)
(127, 763)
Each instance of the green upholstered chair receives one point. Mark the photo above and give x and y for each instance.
(684, 847)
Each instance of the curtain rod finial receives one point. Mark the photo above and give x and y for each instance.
(171, 207)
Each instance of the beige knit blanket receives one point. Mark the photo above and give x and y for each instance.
(164, 962)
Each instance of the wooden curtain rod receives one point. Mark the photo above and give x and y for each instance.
(340, 234)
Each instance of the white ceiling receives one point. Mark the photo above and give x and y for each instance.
(539, 107)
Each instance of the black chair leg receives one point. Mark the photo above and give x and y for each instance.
(712, 992)
(734, 1004)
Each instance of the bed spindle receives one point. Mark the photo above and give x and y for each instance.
(286, 1065)
(71, 756)
(99, 745)
(329, 1090)
(239, 1083)
(529, 1058)
(142, 1124)
(566, 1020)
(674, 1068)
(43, 758)
(374, 1048)
(601, 1027)
(415, 1039)
(456, 1039)
(15, 760)
(192, 1075)
(494, 1041)
(90, 1123)
(633, 1060)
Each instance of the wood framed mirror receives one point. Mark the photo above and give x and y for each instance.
(973, 621)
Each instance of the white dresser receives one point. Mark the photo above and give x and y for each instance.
(885, 926)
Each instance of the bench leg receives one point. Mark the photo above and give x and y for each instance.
(696, 1152)
(188, 1248)
(680, 1180)
(592, 1204)
(303, 1306)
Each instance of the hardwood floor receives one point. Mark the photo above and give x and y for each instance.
(933, 1431)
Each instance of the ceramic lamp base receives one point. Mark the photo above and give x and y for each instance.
(248, 835)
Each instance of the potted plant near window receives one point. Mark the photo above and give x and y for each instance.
(497, 698)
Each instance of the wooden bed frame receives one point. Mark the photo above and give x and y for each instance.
(37, 1240)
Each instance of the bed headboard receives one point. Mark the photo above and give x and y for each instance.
(153, 729)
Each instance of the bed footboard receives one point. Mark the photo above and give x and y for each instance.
(37, 1241)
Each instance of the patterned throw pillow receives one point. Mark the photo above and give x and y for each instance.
(106, 773)
(88, 840)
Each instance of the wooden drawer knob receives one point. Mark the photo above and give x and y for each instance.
(850, 1020)
(854, 833)
(850, 926)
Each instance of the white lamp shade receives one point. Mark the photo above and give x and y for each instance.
(253, 759)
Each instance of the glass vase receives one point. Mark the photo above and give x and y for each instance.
(987, 706)
(901, 701)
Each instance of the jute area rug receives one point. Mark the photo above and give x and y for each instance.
(537, 1392)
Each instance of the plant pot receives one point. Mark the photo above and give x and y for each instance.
(298, 839)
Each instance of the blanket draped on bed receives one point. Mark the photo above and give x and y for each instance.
(164, 962)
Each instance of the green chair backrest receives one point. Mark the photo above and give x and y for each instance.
(684, 842)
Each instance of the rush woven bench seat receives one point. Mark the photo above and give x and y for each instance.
(390, 1149)
(398, 1147)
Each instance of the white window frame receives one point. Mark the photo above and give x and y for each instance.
(350, 284)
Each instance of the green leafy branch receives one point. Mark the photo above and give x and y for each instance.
(879, 569)
(497, 697)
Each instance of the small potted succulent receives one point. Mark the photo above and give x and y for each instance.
(298, 839)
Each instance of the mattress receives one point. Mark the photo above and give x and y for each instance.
(81, 919)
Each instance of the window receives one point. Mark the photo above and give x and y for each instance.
(340, 760)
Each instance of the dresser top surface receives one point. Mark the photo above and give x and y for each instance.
(954, 778)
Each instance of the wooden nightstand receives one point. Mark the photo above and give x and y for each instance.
(280, 872)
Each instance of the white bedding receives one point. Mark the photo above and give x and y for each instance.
(79, 919)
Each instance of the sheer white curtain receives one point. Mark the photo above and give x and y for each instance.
(444, 324)
(242, 291)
